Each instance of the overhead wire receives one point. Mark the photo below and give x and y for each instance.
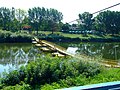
(98, 11)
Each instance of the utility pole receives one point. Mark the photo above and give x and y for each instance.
(116, 51)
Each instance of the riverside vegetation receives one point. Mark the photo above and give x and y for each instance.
(10, 37)
(48, 73)
(45, 19)
(24, 37)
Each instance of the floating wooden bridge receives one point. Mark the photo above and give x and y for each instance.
(59, 51)
(51, 47)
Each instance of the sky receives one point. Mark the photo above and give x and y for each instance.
(69, 8)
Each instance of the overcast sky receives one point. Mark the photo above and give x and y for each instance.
(69, 8)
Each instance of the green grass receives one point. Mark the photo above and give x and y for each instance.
(65, 34)
(79, 35)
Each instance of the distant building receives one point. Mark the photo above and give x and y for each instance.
(74, 28)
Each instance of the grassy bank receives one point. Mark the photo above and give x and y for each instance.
(10, 37)
(65, 37)
(22, 36)
(49, 73)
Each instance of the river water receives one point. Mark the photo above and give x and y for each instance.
(108, 51)
(14, 55)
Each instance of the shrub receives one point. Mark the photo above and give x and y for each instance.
(7, 36)
(18, 87)
(51, 69)
(12, 78)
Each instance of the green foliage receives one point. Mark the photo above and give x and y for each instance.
(11, 19)
(38, 18)
(17, 87)
(86, 19)
(53, 73)
(12, 78)
(48, 70)
(7, 36)
(112, 75)
(44, 19)
(108, 22)
(68, 82)
(47, 87)
(108, 75)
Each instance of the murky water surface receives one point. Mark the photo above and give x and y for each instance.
(12, 56)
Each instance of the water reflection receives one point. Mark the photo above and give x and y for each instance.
(13, 56)
(72, 50)
(106, 50)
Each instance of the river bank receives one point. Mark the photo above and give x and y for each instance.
(24, 37)
(66, 37)
(79, 39)
(14, 37)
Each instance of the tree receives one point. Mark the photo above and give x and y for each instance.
(47, 18)
(13, 23)
(108, 22)
(37, 18)
(65, 26)
(1, 19)
(5, 18)
(86, 21)
(11, 19)
(20, 15)
(54, 19)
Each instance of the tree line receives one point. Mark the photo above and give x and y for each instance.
(37, 18)
(44, 19)
(107, 22)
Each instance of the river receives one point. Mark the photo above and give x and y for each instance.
(14, 55)
(108, 51)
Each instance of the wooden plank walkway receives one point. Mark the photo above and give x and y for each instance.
(53, 47)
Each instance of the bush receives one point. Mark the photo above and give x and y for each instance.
(18, 87)
(7, 36)
(12, 78)
(48, 69)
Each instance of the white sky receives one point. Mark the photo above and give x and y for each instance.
(69, 8)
